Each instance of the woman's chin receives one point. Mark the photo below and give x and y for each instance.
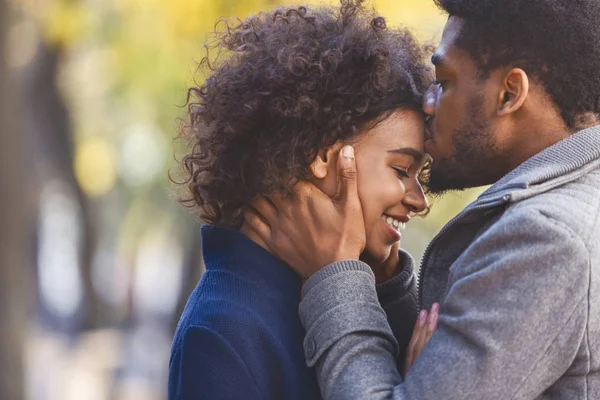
(376, 254)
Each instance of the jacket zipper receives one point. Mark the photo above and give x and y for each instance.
(491, 204)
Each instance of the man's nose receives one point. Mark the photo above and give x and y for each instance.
(429, 100)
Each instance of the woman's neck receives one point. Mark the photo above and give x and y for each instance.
(383, 270)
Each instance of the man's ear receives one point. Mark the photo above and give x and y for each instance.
(514, 92)
(325, 161)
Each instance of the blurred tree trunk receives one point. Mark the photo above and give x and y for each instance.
(15, 268)
(51, 129)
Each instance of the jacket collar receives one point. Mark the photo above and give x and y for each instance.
(560, 163)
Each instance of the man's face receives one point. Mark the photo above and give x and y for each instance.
(461, 135)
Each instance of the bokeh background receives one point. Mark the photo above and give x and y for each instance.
(97, 258)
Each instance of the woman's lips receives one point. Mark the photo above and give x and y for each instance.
(396, 236)
(394, 225)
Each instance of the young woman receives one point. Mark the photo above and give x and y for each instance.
(288, 90)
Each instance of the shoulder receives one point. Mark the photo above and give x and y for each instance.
(574, 206)
(207, 364)
(217, 306)
(218, 295)
(203, 339)
(227, 317)
(527, 256)
(231, 346)
(530, 239)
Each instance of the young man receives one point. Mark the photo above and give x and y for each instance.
(516, 104)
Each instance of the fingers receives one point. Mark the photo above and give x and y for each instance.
(421, 339)
(347, 190)
(427, 330)
(410, 352)
(257, 224)
(265, 208)
(432, 321)
(426, 325)
(301, 192)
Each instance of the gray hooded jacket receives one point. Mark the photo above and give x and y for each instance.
(517, 274)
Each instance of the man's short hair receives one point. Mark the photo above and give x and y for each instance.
(555, 41)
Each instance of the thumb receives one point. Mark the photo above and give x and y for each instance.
(347, 190)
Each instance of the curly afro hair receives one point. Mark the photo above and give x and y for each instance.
(284, 85)
(557, 41)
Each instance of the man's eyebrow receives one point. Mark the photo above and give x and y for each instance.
(408, 151)
(437, 60)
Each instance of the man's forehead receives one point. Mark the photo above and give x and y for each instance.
(447, 50)
(449, 36)
(452, 29)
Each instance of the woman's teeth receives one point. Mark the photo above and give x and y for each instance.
(394, 223)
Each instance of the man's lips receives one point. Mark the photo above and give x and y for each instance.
(428, 134)
(428, 141)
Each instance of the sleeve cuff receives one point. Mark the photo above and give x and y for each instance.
(332, 269)
(339, 300)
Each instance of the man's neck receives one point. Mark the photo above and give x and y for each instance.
(584, 121)
(537, 135)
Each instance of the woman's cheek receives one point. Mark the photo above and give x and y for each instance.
(392, 193)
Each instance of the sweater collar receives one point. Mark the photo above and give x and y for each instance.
(230, 250)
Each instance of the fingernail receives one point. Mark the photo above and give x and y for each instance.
(435, 308)
(348, 152)
(422, 315)
(432, 318)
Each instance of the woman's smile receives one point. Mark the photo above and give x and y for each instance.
(395, 226)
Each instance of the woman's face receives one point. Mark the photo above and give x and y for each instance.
(389, 160)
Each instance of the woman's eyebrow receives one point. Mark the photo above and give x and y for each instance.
(408, 151)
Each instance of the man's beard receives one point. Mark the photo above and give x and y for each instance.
(476, 161)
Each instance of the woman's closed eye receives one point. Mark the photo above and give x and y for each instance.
(401, 172)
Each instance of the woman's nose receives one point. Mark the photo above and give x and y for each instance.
(414, 198)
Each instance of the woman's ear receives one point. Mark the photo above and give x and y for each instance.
(324, 169)
(325, 161)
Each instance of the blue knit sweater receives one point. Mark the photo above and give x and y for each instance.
(240, 336)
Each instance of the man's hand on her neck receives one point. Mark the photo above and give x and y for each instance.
(309, 230)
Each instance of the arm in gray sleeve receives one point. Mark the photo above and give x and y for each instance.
(398, 298)
(509, 327)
